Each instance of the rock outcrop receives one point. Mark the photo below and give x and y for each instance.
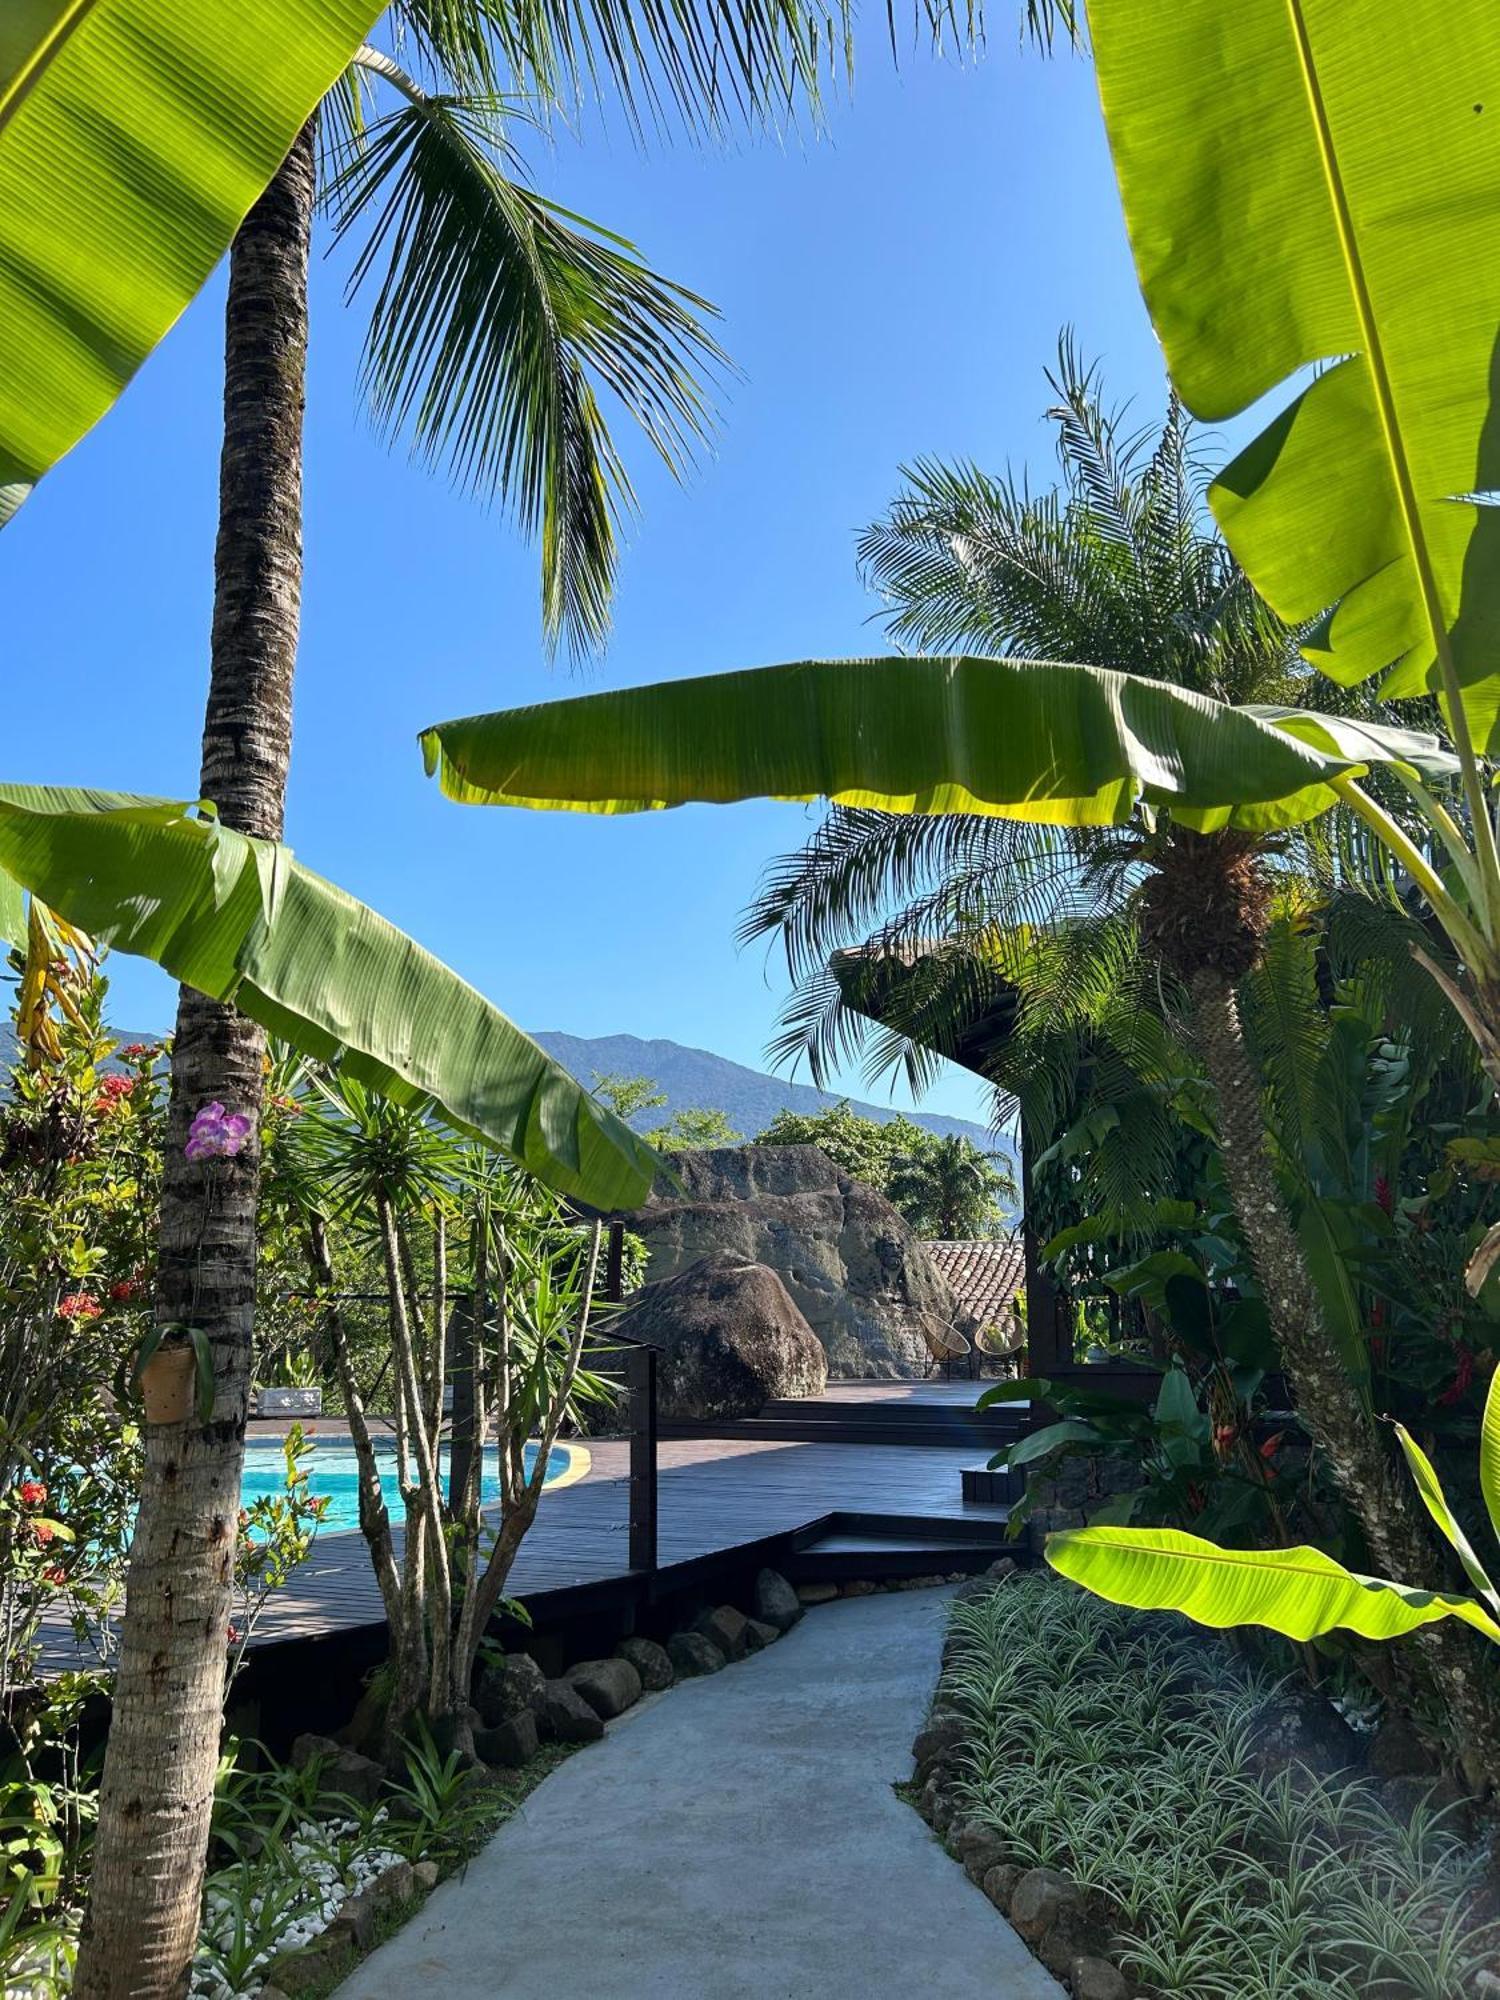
(859, 1275)
(730, 1339)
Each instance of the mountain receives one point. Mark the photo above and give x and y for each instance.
(695, 1080)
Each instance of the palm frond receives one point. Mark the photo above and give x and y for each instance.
(496, 315)
(708, 63)
(458, 41)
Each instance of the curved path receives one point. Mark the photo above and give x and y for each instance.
(735, 1837)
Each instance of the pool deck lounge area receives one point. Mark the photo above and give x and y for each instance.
(719, 1499)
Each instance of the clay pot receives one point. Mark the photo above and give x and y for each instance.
(167, 1384)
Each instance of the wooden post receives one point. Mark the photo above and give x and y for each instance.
(640, 1374)
(1049, 1331)
(463, 1443)
(614, 1265)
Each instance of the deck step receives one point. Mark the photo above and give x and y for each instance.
(864, 1423)
(888, 1548)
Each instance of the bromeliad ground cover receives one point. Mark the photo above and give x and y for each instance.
(1124, 1752)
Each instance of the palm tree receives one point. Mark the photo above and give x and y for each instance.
(1116, 571)
(495, 320)
(951, 1187)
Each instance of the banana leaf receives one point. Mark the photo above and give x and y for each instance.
(1313, 184)
(1489, 1453)
(1430, 1491)
(1299, 1592)
(1065, 745)
(134, 137)
(242, 920)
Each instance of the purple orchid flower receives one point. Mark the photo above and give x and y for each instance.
(217, 1134)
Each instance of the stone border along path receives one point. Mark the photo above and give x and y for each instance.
(737, 1836)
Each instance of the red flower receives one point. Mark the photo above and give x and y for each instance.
(1224, 1436)
(55, 1575)
(42, 1532)
(33, 1493)
(232, 1634)
(79, 1305)
(1458, 1388)
(114, 1088)
(1383, 1196)
(1272, 1445)
(124, 1288)
(137, 1051)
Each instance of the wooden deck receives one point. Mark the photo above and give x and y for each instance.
(716, 1497)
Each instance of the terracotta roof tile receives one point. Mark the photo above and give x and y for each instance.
(984, 1274)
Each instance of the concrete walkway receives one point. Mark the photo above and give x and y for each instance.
(735, 1837)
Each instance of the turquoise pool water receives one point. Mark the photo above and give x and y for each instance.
(333, 1469)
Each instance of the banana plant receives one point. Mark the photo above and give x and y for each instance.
(1299, 1592)
(243, 920)
(134, 137)
(1310, 185)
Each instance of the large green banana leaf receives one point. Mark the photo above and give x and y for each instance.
(1070, 745)
(1299, 1592)
(134, 136)
(241, 920)
(1315, 182)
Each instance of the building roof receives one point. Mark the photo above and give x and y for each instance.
(984, 1274)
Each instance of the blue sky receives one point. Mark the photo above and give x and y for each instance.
(891, 289)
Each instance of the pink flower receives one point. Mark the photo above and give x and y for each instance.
(33, 1493)
(79, 1305)
(42, 1532)
(232, 1634)
(114, 1088)
(217, 1134)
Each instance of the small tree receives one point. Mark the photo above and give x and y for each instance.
(625, 1095)
(863, 1147)
(694, 1129)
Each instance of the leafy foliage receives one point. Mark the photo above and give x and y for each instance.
(943, 1184)
(1300, 1591)
(686, 1129)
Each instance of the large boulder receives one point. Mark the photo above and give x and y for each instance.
(861, 1278)
(730, 1338)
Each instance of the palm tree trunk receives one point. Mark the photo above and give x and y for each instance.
(163, 1748)
(1375, 1487)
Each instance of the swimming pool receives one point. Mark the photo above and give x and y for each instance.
(333, 1469)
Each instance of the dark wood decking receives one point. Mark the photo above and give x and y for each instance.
(716, 1496)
